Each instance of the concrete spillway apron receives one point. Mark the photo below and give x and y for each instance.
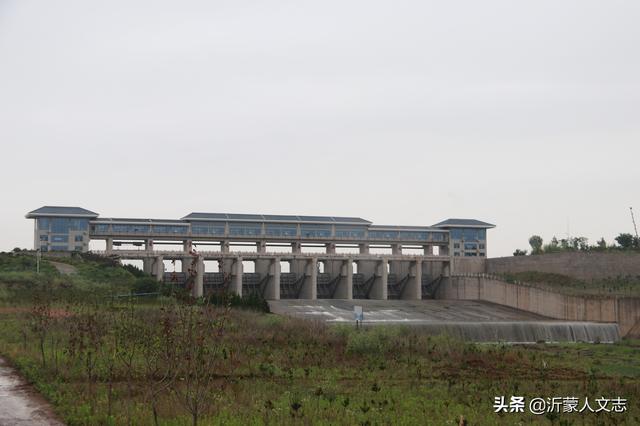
(470, 320)
(20, 404)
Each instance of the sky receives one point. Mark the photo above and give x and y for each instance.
(525, 114)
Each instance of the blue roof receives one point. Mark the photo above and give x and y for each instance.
(61, 211)
(274, 218)
(463, 223)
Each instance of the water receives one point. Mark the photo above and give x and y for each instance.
(527, 332)
(19, 405)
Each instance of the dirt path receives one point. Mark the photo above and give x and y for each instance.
(64, 268)
(20, 404)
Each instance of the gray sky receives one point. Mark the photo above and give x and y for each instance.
(523, 114)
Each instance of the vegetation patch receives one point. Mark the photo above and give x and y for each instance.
(105, 360)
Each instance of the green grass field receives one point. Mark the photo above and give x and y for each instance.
(169, 360)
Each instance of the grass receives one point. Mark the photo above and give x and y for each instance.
(622, 286)
(258, 368)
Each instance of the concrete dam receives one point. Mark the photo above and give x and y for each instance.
(320, 267)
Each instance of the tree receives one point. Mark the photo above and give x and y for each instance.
(626, 241)
(536, 244)
(602, 244)
(519, 252)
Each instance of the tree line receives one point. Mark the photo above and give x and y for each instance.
(623, 242)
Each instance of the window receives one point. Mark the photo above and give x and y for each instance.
(130, 229)
(78, 238)
(349, 232)
(468, 234)
(438, 236)
(208, 228)
(470, 254)
(78, 248)
(457, 253)
(59, 238)
(43, 224)
(481, 246)
(419, 236)
(470, 246)
(59, 248)
(170, 229)
(274, 230)
(383, 235)
(101, 228)
(44, 248)
(482, 254)
(62, 225)
(315, 231)
(245, 229)
(44, 238)
(456, 245)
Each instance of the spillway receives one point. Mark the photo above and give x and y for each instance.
(469, 320)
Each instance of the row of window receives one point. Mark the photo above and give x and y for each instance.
(61, 238)
(270, 230)
(60, 225)
(468, 234)
(469, 246)
(103, 228)
(46, 248)
(470, 254)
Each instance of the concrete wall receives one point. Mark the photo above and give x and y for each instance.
(585, 266)
(468, 265)
(623, 310)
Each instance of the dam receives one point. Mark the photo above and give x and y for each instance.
(321, 266)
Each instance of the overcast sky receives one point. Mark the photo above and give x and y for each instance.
(525, 114)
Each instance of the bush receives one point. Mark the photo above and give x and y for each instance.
(252, 301)
(146, 284)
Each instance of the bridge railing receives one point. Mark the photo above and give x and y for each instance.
(253, 254)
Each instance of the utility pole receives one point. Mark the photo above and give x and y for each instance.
(633, 219)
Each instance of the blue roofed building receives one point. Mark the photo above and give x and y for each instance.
(66, 229)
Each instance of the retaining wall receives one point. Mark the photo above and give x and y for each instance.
(625, 311)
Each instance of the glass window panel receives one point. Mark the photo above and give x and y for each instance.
(245, 229)
(170, 229)
(456, 233)
(43, 223)
(349, 232)
(315, 231)
(207, 228)
(60, 225)
(383, 235)
(101, 228)
(273, 230)
(59, 238)
(439, 236)
(415, 235)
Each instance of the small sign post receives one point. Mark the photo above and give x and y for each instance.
(358, 314)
